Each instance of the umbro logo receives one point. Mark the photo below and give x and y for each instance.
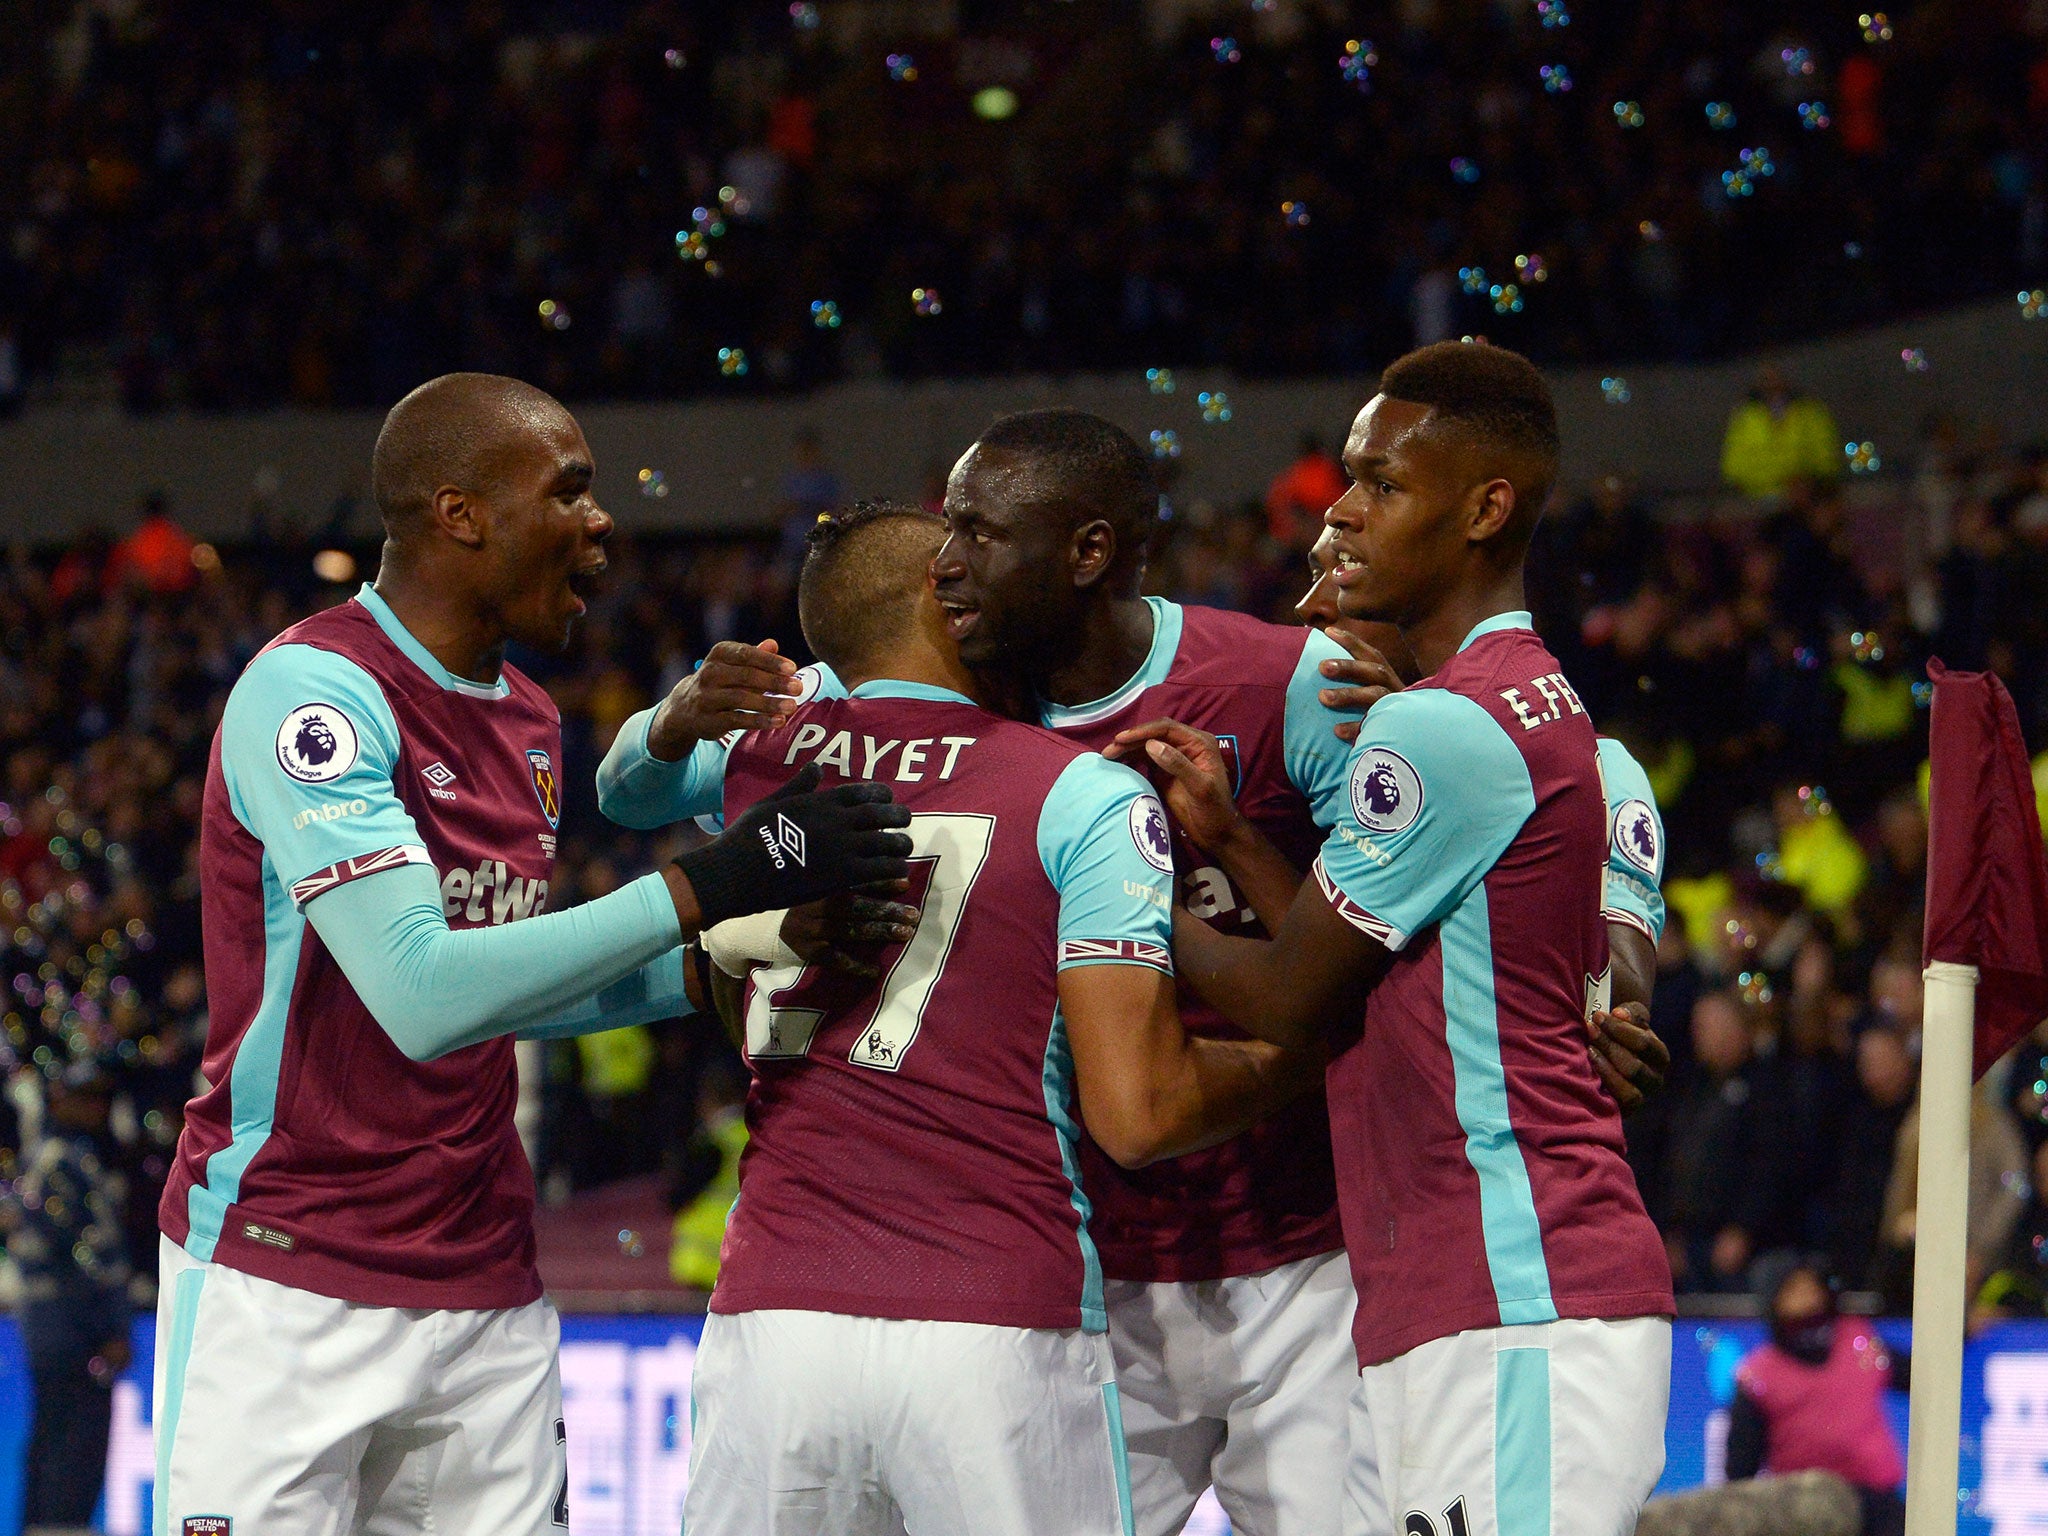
(786, 837)
(439, 776)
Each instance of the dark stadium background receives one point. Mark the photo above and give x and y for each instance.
(232, 234)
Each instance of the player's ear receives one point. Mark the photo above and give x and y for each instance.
(1490, 509)
(457, 515)
(1092, 552)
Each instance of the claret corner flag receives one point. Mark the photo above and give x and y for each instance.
(1987, 881)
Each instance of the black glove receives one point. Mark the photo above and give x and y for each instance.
(797, 845)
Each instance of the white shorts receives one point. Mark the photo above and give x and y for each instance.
(1548, 1429)
(1243, 1383)
(816, 1424)
(292, 1414)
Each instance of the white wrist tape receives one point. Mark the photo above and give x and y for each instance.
(741, 942)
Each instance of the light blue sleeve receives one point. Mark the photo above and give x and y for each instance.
(1318, 764)
(1635, 843)
(1435, 794)
(436, 989)
(654, 992)
(1103, 839)
(637, 789)
(308, 749)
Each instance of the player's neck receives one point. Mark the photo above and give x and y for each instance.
(1435, 638)
(916, 662)
(469, 645)
(1116, 637)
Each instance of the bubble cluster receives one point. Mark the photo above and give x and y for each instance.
(1357, 63)
(653, 484)
(1628, 114)
(732, 362)
(902, 68)
(1507, 298)
(708, 224)
(1914, 359)
(803, 16)
(553, 315)
(630, 1243)
(1531, 268)
(1650, 230)
(1553, 13)
(1464, 171)
(1165, 443)
(825, 314)
(1798, 62)
(1755, 988)
(1866, 645)
(1296, 214)
(2033, 303)
(1225, 50)
(1720, 116)
(1813, 115)
(1614, 390)
(1215, 406)
(925, 301)
(1472, 279)
(1556, 78)
(1862, 457)
(1877, 27)
(1753, 167)
(674, 58)
(1265, 7)
(1159, 381)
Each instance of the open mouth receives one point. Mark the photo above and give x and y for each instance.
(1347, 569)
(960, 618)
(583, 582)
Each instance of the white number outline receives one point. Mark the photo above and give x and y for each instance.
(957, 845)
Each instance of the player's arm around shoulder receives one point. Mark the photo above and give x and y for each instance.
(1147, 1090)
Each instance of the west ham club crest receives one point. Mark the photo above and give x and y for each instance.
(544, 785)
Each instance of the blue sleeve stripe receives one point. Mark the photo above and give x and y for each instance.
(1317, 762)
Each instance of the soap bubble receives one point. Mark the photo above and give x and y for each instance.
(1797, 61)
(653, 484)
(553, 315)
(1914, 359)
(1813, 115)
(1472, 279)
(925, 301)
(1614, 390)
(902, 67)
(1215, 406)
(1556, 78)
(1877, 27)
(1296, 214)
(1464, 170)
(732, 362)
(674, 58)
(825, 314)
(1628, 114)
(1530, 269)
(1357, 61)
(1862, 457)
(1159, 381)
(2033, 303)
(630, 1244)
(1165, 443)
(1553, 13)
(1507, 298)
(1720, 115)
(1225, 50)
(1650, 230)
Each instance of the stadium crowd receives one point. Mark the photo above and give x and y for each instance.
(1765, 665)
(228, 207)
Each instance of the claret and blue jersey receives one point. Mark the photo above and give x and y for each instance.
(913, 1148)
(1480, 1161)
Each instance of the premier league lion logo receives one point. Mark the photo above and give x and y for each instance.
(316, 744)
(1386, 791)
(1150, 832)
(1636, 835)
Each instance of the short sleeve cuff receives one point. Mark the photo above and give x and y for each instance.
(1354, 914)
(1080, 952)
(335, 875)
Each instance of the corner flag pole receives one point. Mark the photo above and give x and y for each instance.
(1940, 1247)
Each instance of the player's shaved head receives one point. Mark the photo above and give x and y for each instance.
(1497, 404)
(865, 571)
(1086, 468)
(461, 429)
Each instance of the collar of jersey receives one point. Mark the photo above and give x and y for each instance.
(1514, 618)
(1166, 621)
(893, 688)
(420, 656)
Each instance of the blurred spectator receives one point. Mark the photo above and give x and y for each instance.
(1812, 1399)
(1999, 1164)
(809, 489)
(1777, 437)
(1728, 1167)
(66, 1239)
(1301, 493)
(708, 1178)
(157, 555)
